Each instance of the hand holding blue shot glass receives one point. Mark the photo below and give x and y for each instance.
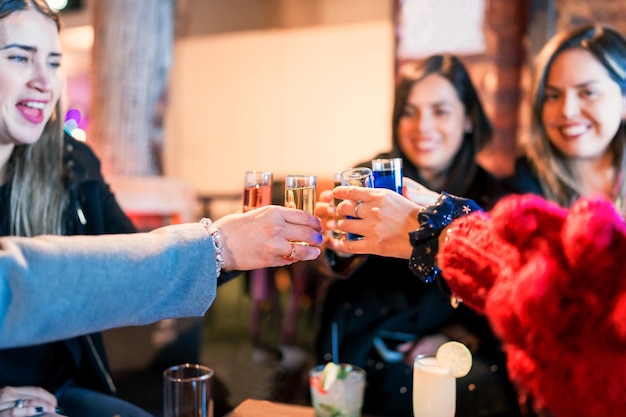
(388, 174)
(359, 177)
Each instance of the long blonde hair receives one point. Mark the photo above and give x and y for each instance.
(559, 181)
(38, 196)
(38, 193)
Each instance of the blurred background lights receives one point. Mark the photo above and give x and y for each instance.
(65, 5)
(73, 114)
(79, 134)
(72, 118)
(57, 4)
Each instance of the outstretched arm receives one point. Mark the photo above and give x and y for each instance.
(56, 287)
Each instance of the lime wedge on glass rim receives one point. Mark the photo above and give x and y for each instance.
(329, 375)
(456, 357)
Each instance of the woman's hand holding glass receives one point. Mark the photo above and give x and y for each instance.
(326, 211)
(385, 219)
(261, 237)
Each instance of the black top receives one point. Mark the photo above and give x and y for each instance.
(92, 210)
(523, 181)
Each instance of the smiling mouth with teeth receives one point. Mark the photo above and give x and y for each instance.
(32, 111)
(574, 130)
(34, 105)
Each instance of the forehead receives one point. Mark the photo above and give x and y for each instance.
(575, 67)
(433, 88)
(30, 27)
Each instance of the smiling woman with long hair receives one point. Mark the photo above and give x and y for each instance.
(49, 184)
(525, 252)
(579, 116)
(383, 316)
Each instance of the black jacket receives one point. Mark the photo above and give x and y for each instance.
(92, 210)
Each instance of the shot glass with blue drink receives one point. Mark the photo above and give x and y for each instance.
(388, 173)
(359, 177)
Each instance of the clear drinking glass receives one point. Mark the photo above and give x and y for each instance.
(388, 173)
(344, 398)
(300, 192)
(188, 391)
(434, 388)
(359, 177)
(257, 189)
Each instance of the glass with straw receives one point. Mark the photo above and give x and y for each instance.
(337, 390)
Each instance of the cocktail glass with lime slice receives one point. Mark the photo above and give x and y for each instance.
(337, 390)
(434, 380)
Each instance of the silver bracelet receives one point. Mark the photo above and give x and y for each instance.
(217, 242)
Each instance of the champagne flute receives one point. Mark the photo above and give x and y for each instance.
(257, 192)
(300, 193)
(257, 189)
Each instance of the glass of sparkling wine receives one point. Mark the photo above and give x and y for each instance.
(257, 189)
(388, 173)
(300, 193)
(434, 388)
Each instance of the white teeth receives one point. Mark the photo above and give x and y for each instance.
(574, 130)
(35, 105)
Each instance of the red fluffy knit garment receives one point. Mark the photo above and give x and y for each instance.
(553, 284)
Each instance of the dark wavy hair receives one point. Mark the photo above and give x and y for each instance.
(460, 176)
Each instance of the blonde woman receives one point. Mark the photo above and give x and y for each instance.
(51, 184)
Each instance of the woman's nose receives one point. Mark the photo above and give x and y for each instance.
(41, 79)
(571, 104)
(423, 121)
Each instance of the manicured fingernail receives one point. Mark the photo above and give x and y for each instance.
(38, 409)
(58, 410)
